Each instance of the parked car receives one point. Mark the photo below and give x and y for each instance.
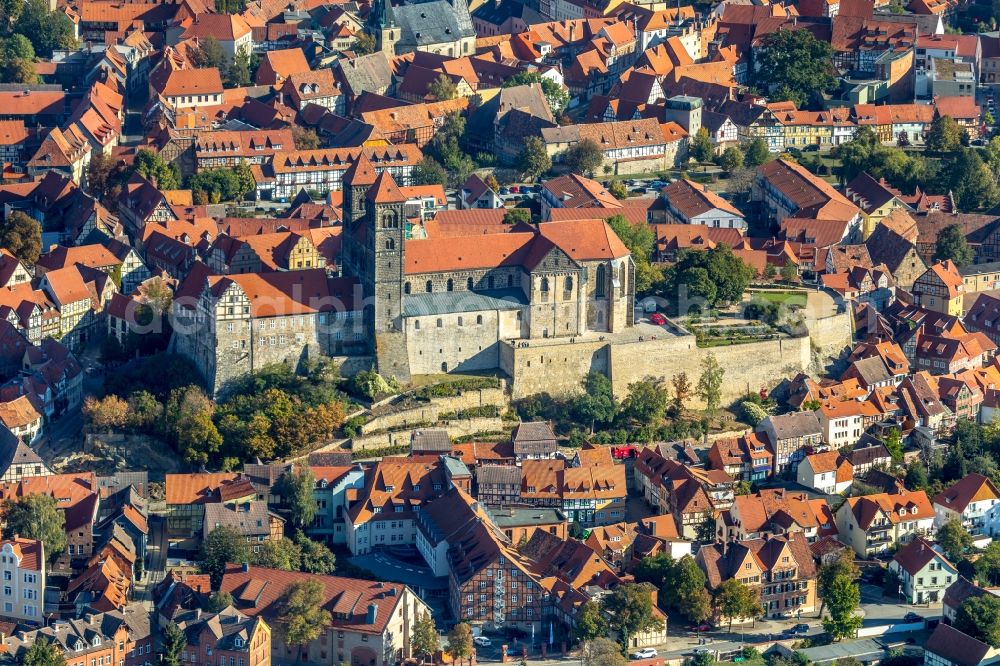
(913, 617)
(644, 653)
(811, 148)
(514, 189)
(504, 190)
(482, 641)
(801, 628)
(700, 627)
(657, 318)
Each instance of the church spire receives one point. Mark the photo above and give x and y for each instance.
(381, 17)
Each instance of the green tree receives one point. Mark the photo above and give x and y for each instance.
(209, 54)
(730, 275)
(10, 10)
(842, 600)
(646, 402)
(630, 611)
(971, 181)
(302, 618)
(153, 168)
(188, 418)
(219, 601)
(602, 652)
(844, 566)
(894, 443)
(237, 73)
(952, 245)
(174, 643)
(460, 641)
(705, 532)
(590, 623)
(795, 65)
(709, 386)
(979, 617)
(618, 190)
(443, 88)
(22, 237)
(244, 176)
(296, 489)
(698, 286)
(517, 216)
(281, 553)
(428, 172)
(701, 148)
(556, 95)
(364, 43)
(316, 557)
(37, 517)
(584, 157)
(425, 636)
(731, 159)
(770, 272)
(756, 153)
(597, 404)
(17, 60)
(47, 30)
(42, 653)
(790, 272)
(533, 160)
(734, 600)
(916, 476)
(223, 545)
(945, 135)
(953, 539)
(988, 565)
(639, 239)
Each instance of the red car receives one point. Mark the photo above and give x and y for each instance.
(700, 628)
(657, 319)
(514, 189)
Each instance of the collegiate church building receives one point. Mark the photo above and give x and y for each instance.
(419, 306)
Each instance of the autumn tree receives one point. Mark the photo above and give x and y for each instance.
(305, 138)
(22, 237)
(188, 416)
(106, 413)
(460, 641)
(301, 616)
(682, 391)
(424, 640)
(602, 652)
(843, 565)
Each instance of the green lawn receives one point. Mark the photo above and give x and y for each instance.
(789, 298)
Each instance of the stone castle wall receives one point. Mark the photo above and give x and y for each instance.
(560, 368)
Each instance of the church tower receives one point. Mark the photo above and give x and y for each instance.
(381, 25)
(358, 178)
(383, 275)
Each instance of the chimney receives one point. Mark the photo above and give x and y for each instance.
(246, 567)
(372, 614)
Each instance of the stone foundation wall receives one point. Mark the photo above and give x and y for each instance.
(428, 412)
(456, 428)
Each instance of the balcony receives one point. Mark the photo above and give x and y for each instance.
(879, 538)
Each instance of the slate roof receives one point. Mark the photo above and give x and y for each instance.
(434, 22)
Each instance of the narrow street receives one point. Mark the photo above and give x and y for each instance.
(156, 560)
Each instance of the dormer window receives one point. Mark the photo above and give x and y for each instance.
(238, 642)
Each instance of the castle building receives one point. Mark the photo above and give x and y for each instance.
(418, 306)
